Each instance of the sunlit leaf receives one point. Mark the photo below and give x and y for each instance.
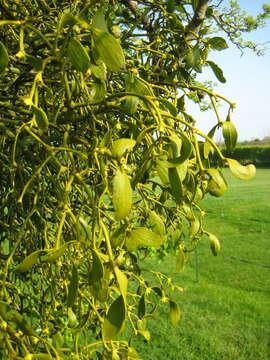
(120, 146)
(143, 237)
(122, 194)
(156, 223)
(240, 171)
(230, 135)
(218, 43)
(217, 184)
(109, 50)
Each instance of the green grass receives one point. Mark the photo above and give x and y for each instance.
(226, 313)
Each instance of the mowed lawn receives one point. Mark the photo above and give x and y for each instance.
(226, 302)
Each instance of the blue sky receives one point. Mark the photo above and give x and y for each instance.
(248, 84)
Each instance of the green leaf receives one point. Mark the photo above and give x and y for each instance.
(55, 253)
(84, 230)
(97, 271)
(176, 185)
(78, 55)
(141, 307)
(186, 149)
(175, 313)
(218, 43)
(143, 237)
(230, 135)
(41, 118)
(120, 146)
(162, 170)
(114, 320)
(98, 91)
(194, 227)
(122, 195)
(214, 243)
(207, 147)
(168, 105)
(217, 185)
(131, 104)
(72, 318)
(99, 21)
(73, 287)
(109, 50)
(29, 261)
(146, 334)
(4, 58)
(193, 58)
(217, 71)
(99, 70)
(122, 281)
(67, 19)
(180, 259)
(240, 171)
(156, 223)
(176, 144)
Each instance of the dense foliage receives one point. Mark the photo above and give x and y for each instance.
(257, 155)
(101, 165)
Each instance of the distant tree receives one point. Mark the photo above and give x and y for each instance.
(101, 165)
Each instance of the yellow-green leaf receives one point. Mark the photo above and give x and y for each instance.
(214, 244)
(114, 320)
(195, 226)
(146, 334)
(4, 59)
(109, 50)
(99, 70)
(180, 259)
(120, 146)
(78, 55)
(143, 237)
(162, 170)
(176, 185)
(122, 281)
(217, 184)
(98, 91)
(175, 313)
(156, 223)
(240, 171)
(122, 195)
(185, 150)
(230, 135)
(29, 261)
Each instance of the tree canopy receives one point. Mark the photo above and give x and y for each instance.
(101, 165)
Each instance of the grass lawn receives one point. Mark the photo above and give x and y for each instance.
(226, 308)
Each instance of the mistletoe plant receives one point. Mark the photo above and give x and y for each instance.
(101, 165)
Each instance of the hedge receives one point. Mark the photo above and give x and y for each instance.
(257, 155)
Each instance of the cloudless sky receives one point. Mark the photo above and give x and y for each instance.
(248, 83)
